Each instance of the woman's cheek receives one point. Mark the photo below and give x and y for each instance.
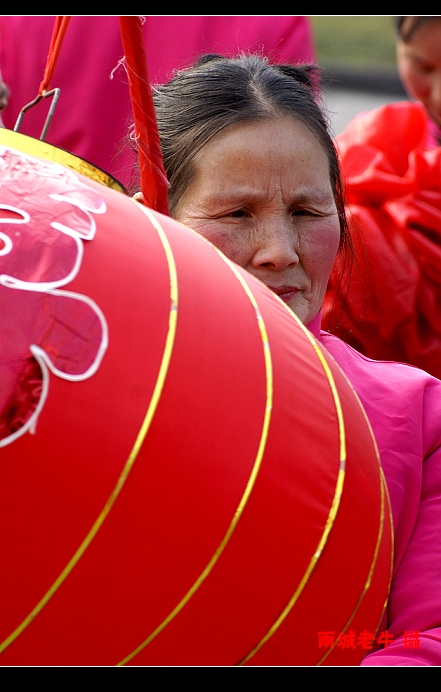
(229, 242)
(325, 241)
(207, 229)
(413, 81)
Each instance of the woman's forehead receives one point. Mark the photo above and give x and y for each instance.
(256, 135)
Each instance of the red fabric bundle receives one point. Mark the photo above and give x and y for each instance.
(390, 306)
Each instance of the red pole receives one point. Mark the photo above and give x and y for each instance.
(154, 184)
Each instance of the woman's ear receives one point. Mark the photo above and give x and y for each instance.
(139, 197)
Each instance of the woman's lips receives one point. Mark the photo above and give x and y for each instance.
(286, 293)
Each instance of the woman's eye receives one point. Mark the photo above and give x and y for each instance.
(238, 213)
(303, 212)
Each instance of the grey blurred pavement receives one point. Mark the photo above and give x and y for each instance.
(344, 104)
(347, 93)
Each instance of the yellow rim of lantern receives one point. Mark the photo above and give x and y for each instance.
(49, 152)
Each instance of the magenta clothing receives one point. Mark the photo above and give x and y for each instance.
(403, 404)
(94, 110)
(434, 137)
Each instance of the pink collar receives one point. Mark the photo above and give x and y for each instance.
(314, 325)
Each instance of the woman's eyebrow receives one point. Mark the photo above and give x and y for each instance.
(317, 195)
(240, 195)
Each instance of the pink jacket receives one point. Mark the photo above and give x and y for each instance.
(403, 404)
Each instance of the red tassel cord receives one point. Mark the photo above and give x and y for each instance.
(153, 180)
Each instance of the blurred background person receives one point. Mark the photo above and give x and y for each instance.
(94, 109)
(391, 163)
(419, 66)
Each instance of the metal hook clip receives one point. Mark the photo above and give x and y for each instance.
(45, 94)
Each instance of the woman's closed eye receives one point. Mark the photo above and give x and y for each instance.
(322, 209)
(307, 212)
(236, 214)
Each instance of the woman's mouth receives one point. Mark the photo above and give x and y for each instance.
(286, 293)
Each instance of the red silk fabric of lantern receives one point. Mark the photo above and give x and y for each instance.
(192, 480)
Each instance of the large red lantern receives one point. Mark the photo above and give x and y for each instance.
(186, 476)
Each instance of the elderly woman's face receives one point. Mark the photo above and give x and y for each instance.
(262, 194)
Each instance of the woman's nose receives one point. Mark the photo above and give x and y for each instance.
(276, 245)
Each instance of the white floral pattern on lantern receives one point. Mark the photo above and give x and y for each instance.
(46, 213)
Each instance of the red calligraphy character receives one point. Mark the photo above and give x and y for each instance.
(347, 641)
(326, 639)
(411, 639)
(385, 638)
(365, 639)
